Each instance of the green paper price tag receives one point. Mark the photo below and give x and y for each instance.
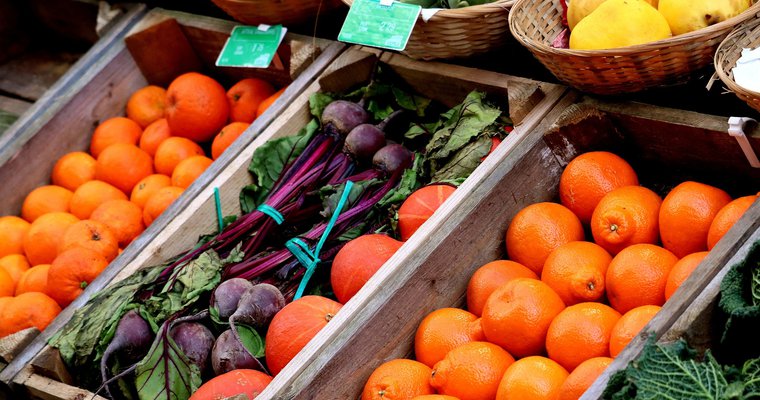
(251, 46)
(374, 24)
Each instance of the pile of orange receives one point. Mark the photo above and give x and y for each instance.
(546, 323)
(98, 203)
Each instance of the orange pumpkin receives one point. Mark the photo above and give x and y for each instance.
(420, 206)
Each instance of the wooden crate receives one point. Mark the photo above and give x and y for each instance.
(160, 45)
(431, 270)
(43, 378)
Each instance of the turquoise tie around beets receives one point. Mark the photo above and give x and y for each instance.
(306, 256)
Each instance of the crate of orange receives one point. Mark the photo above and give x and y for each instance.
(85, 184)
(594, 232)
(45, 376)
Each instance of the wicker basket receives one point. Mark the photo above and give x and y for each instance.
(286, 12)
(536, 23)
(746, 35)
(461, 32)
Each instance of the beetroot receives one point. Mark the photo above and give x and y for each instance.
(258, 306)
(227, 295)
(392, 158)
(343, 116)
(131, 341)
(195, 340)
(229, 353)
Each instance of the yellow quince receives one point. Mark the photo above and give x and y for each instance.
(619, 23)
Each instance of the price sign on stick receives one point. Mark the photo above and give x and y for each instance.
(379, 23)
(251, 46)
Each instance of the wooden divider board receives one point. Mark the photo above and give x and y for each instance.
(101, 93)
(379, 323)
(198, 216)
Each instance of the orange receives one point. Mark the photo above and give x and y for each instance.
(92, 235)
(246, 96)
(123, 166)
(629, 325)
(27, 310)
(268, 102)
(434, 397)
(7, 286)
(357, 261)
(91, 195)
(681, 270)
(443, 330)
(580, 332)
(419, 207)
(3, 302)
(45, 199)
(159, 202)
(189, 169)
(173, 150)
(637, 276)
(41, 242)
(398, 379)
(73, 169)
(154, 135)
(582, 377)
(114, 130)
(589, 177)
(196, 107)
(294, 326)
(518, 314)
(123, 218)
(471, 371)
(726, 218)
(246, 382)
(490, 277)
(576, 271)
(147, 187)
(12, 233)
(532, 378)
(537, 230)
(146, 105)
(15, 265)
(34, 280)
(686, 215)
(226, 136)
(72, 271)
(626, 216)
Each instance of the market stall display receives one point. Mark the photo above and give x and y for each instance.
(385, 315)
(521, 94)
(102, 93)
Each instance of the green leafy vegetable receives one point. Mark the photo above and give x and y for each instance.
(317, 103)
(6, 119)
(739, 303)
(199, 276)
(267, 162)
(670, 372)
(166, 373)
(251, 340)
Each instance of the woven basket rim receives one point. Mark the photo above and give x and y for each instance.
(466, 12)
(685, 38)
(730, 45)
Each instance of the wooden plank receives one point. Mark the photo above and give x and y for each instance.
(39, 387)
(109, 84)
(326, 368)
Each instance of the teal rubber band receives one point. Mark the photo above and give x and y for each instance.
(272, 213)
(309, 258)
(218, 202)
